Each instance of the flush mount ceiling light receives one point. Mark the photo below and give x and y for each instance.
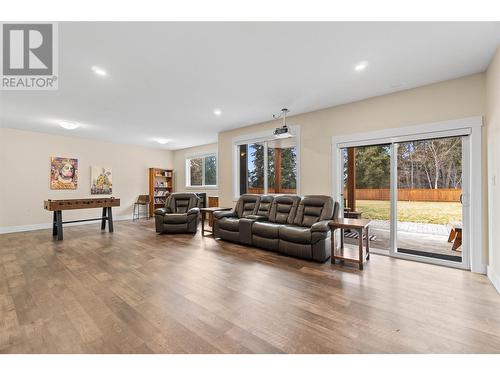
(217, 112)
(361, 66)
(99, 71)
(162, 141)
(68, 125)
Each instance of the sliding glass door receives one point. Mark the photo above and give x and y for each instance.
(413, 191)
(429, 179)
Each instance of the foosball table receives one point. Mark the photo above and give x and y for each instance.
(59, 205)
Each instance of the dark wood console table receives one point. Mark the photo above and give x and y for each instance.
(60, 205)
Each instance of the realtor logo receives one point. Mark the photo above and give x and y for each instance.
(29, 56)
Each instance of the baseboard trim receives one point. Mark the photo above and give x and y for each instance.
(31, 227)
(494, 278)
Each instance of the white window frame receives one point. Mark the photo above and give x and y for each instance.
(255, 138)
(188, 170)
(471, 126)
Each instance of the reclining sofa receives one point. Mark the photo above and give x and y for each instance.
(289, 224)
(180, 214)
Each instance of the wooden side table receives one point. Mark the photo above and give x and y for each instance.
(210, 212)
(358, 225)
(213, 201)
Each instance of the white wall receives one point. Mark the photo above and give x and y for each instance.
(25, 175)
(493, 129)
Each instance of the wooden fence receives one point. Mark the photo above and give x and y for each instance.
(424, 195)
(427, 195)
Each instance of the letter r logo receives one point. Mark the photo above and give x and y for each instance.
(28, 49)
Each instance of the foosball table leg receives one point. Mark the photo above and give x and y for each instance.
(59, 226)
(103, 220)
(110, 220)
(54, 224)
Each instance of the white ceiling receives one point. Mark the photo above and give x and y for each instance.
(165, 79)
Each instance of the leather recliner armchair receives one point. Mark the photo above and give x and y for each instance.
(265, 234)
(227, 223)
(180, 215)
(309, 236)
(236, 225)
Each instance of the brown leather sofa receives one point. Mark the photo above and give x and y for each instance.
(289, 224)
(180, 214)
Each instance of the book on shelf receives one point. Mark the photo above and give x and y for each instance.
(161, 193)
(166, 174)
(161, 184)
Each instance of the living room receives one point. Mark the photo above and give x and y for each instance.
(238, 187)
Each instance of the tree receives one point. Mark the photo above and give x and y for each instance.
(210, 170)
(289, 168)
(423, 164)
(373, 167)
(256, 166)
(433, 163)
(196, 171)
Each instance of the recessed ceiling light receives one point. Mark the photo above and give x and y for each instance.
(162, 141)
(68, 125)
(217, 112)
(99, 71)
(361, 66)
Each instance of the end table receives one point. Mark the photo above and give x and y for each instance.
(210, 212)
(359, 225)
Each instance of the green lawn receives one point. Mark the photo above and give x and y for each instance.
(419, 212)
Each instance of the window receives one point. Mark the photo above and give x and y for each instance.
(268, 167)
(201, 171)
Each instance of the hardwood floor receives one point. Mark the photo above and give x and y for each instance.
(134, 291)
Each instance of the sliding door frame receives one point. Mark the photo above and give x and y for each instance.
(471, 127)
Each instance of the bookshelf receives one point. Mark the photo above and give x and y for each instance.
(161, 184)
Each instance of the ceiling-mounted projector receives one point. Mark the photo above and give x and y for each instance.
(283, 131)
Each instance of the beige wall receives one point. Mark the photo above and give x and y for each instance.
(448, 100)
(493, 130)
(25, 167)
(180, 167)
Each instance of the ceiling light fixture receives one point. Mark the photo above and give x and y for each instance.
(99, 71)
(68, 125)
(217, 112)
(361, 66)
(162, 141)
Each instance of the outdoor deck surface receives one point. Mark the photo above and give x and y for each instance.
(431, 238)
